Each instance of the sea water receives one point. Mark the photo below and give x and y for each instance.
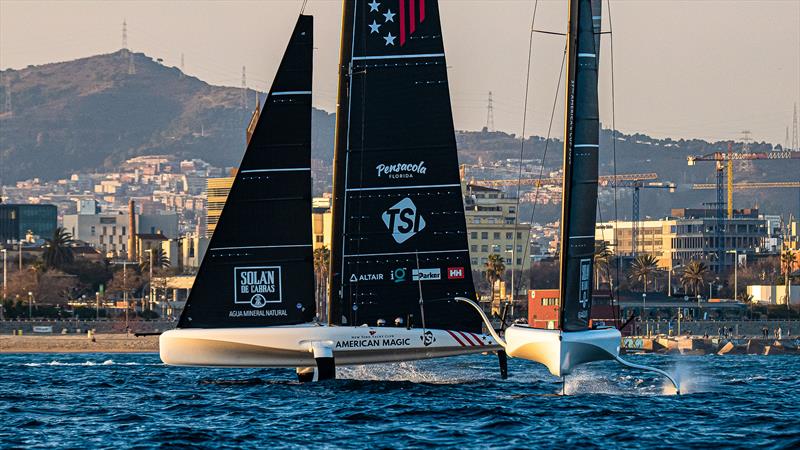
(57, 401)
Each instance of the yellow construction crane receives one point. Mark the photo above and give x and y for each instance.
(726, 159)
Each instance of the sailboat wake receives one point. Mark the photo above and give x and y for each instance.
(404, 371)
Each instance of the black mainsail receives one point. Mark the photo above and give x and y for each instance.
(581, 145)
(398, 214)
(258, 270)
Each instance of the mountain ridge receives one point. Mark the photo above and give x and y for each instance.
(90, 114)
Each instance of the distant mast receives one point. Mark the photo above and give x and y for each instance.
(581, 146)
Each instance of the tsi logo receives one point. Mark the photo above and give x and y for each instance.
(426, 274)
(403, 221)
(257, 286)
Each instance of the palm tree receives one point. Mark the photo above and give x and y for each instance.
(160, 260)
(642, 268)
(787, 263)
(602, 261)
(57, 251)
(495, 269)
(694, 275)
(322, 259)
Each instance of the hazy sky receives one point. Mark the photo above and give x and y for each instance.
(691, 68)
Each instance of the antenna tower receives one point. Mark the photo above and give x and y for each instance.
(124, 34)
(795, 145)
(786, 142)
(182, 69)
(490, 114)
(244, 87)
(746, 140)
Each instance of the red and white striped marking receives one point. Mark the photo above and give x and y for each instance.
(467, 339)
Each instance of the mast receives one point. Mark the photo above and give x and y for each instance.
(339, 162)
(581, 145)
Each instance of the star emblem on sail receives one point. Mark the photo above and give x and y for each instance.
(409, 14)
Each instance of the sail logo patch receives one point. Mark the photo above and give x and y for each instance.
(426, 274)
(257, 286)
(583, 289)
(403, 221)
(455, 273)
(366, 277)
(401, 170)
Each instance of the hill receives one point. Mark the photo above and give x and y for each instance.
(90, 113)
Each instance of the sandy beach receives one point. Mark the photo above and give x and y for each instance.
(102, 343)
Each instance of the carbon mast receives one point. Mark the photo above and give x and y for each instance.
(581, 147)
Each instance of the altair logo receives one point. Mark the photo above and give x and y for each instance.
(403, 221)
(401, 170)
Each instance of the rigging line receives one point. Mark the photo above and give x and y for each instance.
(303, 8)
(547, 32)
(546, 145)
(521, 154)
(618, 265)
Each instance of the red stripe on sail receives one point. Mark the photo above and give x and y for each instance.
(402, 22)
(412, 17)
(421, 11)
(466, 336)
(456, 338)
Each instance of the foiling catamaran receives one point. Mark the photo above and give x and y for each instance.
(401, 285)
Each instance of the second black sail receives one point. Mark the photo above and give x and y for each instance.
(399, 226)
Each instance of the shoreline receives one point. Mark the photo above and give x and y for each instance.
(100, 343)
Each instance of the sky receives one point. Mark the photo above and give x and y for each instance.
(706, 69)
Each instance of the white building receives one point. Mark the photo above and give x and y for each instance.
(773, 295)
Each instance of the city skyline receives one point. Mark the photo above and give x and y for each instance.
(701, 75)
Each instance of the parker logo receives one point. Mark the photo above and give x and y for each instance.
(401, 170)
(455, 273)
(403, 221)
(426, 274)
(257, 286)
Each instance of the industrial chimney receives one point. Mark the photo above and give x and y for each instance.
(132, 231)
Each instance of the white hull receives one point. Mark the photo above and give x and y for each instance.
(294, 346)
(562, 351)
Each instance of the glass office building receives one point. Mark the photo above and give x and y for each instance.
(17, 220)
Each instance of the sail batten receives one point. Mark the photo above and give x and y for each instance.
(398, 210)
(258, 270)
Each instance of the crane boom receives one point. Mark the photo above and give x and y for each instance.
(603, 180)
(753, 185)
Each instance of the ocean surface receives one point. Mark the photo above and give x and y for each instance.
(58, 401)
